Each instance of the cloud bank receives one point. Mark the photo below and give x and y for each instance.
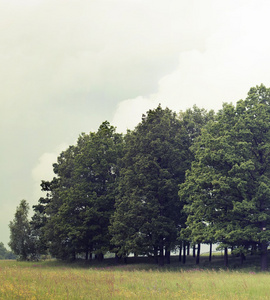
(234, 58)
(67, 66)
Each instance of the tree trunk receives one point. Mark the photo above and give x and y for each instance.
(210, 252)
(253, 248)
(226, 258)
(116, 259)
(161, 257)
(264, 258)
(194, 251)
(184, 253)
(100, 257)
(188, 249)
(198, 254)
(86, 254)
(242, 258)
(168, 256)
(180, 254)
(156, 255)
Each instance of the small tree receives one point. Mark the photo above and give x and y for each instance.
(4, 253)
(21, 241)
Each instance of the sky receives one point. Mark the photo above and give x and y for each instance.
(68, 65)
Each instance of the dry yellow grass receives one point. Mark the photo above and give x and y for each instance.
(38, 281)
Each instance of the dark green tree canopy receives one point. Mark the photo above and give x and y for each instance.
(81, 198)
(121, 193)
(148, 211)
(227, 190)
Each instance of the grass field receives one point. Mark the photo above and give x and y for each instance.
(136, 280)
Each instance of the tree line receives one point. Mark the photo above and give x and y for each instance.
(175, 181)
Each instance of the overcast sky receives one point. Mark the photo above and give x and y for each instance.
(68, 65)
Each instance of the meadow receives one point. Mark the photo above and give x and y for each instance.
(135, 280)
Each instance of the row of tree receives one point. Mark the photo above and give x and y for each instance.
(176, 179)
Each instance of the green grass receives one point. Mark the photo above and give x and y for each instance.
(139, 279)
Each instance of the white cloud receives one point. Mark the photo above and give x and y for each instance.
(44, 170)
(235, 58)
(56, 49)
(129, 112)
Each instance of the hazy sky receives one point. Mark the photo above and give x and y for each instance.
(66, 66)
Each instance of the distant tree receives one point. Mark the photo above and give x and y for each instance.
(3, 251)
(21, 240)
(5, 254)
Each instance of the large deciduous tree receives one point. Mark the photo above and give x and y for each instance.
(81, 198)
(228, 188)
(148, 211)
(193, 121)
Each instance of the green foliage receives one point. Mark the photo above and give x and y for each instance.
(73, 218)
(148, 211)
(121, 194)
(227, 190)
(80, 200)
(21, 239)
(5, 254)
